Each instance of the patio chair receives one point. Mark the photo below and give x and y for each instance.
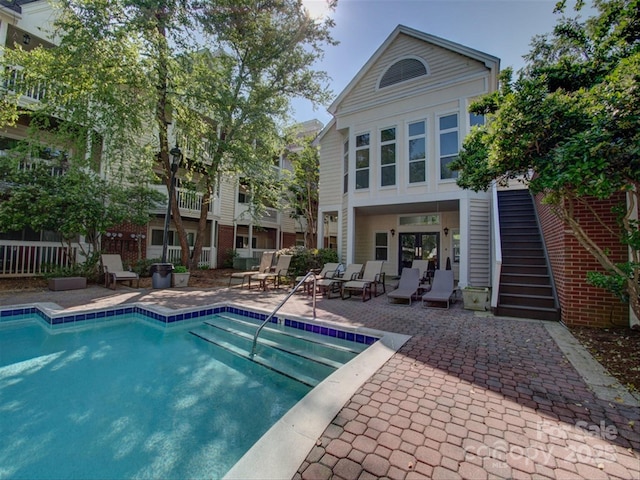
(114, 271)
(329, 270)
(265, 265)
(422, 266)
(333, 284)
(408, 286)
(441, 290)
(370, 279)
(281, 270)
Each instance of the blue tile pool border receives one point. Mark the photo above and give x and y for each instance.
(62, 321)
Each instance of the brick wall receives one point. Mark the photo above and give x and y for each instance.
(288, 239)
(226, 243)
(124, 245)
(583, 304)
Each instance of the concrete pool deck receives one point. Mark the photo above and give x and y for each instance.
(469, 395)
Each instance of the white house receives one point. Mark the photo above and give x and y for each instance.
(384, 156)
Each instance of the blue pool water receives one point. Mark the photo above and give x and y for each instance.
(129, 401)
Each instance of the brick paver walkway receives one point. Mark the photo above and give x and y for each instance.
(468, 396)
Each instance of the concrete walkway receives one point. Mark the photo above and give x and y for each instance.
(470, 395)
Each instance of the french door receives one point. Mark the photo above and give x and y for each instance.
(418, 246)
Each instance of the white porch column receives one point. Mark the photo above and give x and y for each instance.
(351, 222)
(463, 279)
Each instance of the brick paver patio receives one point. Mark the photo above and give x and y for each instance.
(468, 396)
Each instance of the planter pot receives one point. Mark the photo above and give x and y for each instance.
(180, 280)
(476, 298)
(67, 283)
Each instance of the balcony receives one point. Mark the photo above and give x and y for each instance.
(190, 203)
(14, 76)
(270, 216)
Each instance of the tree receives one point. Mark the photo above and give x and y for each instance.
(61, 196)
(571, 118)
(303, 188)
(129, 69)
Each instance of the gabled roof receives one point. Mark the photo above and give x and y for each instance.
(489, 60)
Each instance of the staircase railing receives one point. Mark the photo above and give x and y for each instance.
(497, 247)
(289, 295)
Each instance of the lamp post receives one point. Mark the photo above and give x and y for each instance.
(176, 156)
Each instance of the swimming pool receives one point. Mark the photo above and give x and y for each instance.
(129, 401)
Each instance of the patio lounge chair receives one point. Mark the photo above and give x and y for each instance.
(265, 265)
(408, 286)
(281, 270)
(333, 284)
(114, 271)
(441, 290)
(329, 270)
(422, 266)
(371, 278)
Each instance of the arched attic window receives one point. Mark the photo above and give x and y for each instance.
(403, 70)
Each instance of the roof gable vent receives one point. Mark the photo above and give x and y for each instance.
(403, 70)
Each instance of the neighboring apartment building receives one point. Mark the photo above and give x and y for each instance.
(230, 229)
(384, 157)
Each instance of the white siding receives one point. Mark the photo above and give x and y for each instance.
(331, 171)
(444, 66)
(227, 201)
(479, 243)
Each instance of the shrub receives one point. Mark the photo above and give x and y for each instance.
(305, 259)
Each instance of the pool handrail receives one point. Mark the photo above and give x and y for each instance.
(275, 310)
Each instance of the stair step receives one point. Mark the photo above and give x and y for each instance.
(318, 354)
(523, 257)
(525, 300)
(525, 279)
(524, 269)
(303, 370)
(333, 346)
(519, 311)
(532, 290)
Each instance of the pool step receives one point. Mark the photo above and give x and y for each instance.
(295, 363)
(288, 339)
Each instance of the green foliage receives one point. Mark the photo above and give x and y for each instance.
(63, 196)
(569, 128)
(180, 269)
(143, 266)
(226, 89)
(613, 281)
(304, 187)
(229, 255)
(89, 268)
(305, 259)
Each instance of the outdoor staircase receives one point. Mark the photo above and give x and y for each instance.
(526, 288)
(293, 353)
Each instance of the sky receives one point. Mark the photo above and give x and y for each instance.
(502, 28)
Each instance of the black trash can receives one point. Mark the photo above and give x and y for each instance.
(161, 275)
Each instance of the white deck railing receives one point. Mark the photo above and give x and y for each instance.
(28, 259)
(497, 247)
(174, 254)
(14, 76)
(190, 202)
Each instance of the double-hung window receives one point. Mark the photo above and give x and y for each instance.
(475, 119)
(382, 246)
(362, 161)
(417, 152)
(449, 145)
(388, 157)
(345, 166)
